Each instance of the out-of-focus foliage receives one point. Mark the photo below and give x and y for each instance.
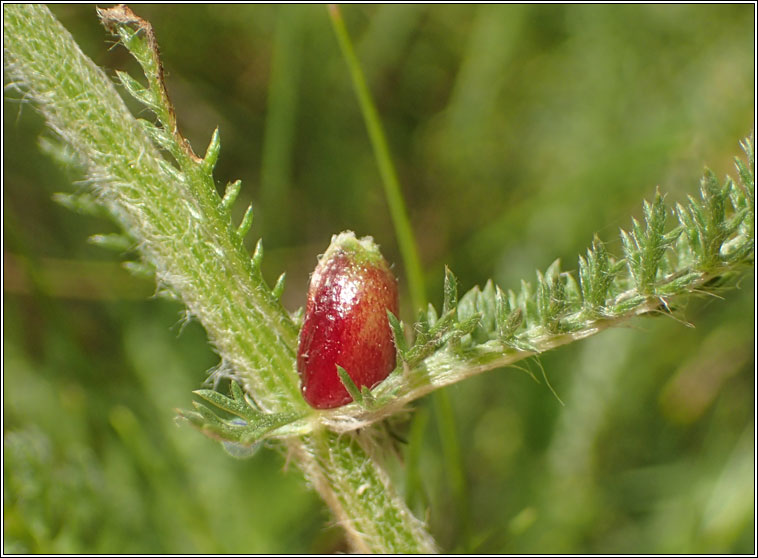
(518, 132)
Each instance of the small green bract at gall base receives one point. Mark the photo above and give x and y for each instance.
(346, 323)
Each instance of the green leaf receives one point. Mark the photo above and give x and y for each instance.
(279, 286)
(211, 153)
(246, 224)
(431, 317)
(230, 194)
(398, 334)
(596, 277)
(352, 389)
(138, 91)
(450, 291)
(140, 269)
(645, 248)
(551, 297)
(486, 305)
(85, 204)
(117, 242)
(251, 426)
(257, 254)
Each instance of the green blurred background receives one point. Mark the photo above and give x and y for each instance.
(518, 132)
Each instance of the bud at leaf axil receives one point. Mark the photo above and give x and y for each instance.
(345, 322)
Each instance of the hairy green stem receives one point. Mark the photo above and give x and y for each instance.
(406, 239)
(184, 232)
(180, 233)
(374, 516)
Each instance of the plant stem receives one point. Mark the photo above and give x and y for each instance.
(181, 235)
(375, 518)
(406, 240)
(279, 132)
(183, 232)
(390, 182)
